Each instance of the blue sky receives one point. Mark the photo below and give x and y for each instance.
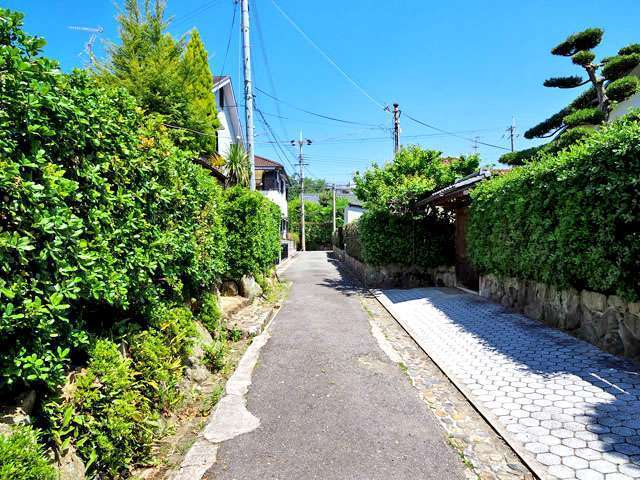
(461, 65)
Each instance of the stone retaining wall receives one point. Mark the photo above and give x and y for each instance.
(398, 276)
(609, 322)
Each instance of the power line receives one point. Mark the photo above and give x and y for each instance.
(309, 112)
(453, 134)
(193, 13)
(276, 144)
(327, 57)
(233, 23)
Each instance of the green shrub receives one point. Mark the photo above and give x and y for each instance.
(351, 236)
(105, 415)
(159, 368)
(215, 355)
(569, 220)
(253, 232)
(210, 315)
(620, 65)
(100, 212)
(22, 457)
(177, 328)
(386, 239)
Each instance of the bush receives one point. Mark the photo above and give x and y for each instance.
(101, 214)
(620, 65)
(569, 220)
(318, 220)
(22, 457)
(210, 315)
(351, 236)
(159, 368)
(105, 415)
(253, 232)
(386, 239)
(215, 354)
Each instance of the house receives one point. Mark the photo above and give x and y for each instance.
(230, 130)
(353, 211)
(271, 181)
(456, 198)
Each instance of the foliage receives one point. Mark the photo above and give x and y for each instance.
(164, 78)
(413, 174)
(237, 166)
(210, 315)
(620, 66)
(585, 116)
(311, 185)
(569, 220)
(564, 82)
(623, 88)
(318, 221)
(520, 157)
(386, 238)
(351, 237)
(583, 58)
(104, 413)
(577, 42)
(23, 457)
(215, 355)
(198, 89)
(253, 232)
(102, 214)
(630, 49)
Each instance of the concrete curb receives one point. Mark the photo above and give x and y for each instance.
(538, 470)
(230, 416)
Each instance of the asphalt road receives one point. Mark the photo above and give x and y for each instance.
(331, 404)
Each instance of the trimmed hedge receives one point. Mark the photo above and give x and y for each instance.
(253, 232)
(351, 237)
(569, 220)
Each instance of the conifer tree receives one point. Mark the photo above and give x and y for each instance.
(198, 88)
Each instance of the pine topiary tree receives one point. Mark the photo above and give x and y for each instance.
(198, 88)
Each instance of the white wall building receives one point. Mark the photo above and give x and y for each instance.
(352, 212)
(624, 107)
(271, 181)
(230, 127)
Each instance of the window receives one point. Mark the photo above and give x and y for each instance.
(221, 99)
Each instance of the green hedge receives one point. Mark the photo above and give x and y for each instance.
(570, 219)
(351, 237)
(386, 238)
(22, 457)
(101, 213)
(253, 232)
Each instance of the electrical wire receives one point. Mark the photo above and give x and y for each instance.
(327, 57)
(194, 13)
(454, 134)
(226, 53)
(309, 112)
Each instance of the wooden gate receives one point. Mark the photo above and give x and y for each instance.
(465, 273)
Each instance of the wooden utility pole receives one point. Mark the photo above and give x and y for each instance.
(511, 132)
(301, 142)
(333, 190)
(248, 90)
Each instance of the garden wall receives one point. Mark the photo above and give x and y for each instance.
(609, 322)
(398, 276)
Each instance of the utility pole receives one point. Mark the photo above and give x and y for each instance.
(511, 132)
(396, 127)
(333, 190)
(248, 90)
(301, 142)
(475, 145)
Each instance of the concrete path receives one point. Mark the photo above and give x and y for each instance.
(330, 403)
(572, 410)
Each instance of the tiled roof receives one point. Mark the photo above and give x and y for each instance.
(266, 164)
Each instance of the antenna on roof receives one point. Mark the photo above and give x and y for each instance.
(94, 31)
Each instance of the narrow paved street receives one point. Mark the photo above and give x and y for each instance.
(331, 404)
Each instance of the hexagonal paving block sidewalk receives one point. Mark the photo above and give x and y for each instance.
(569, 409)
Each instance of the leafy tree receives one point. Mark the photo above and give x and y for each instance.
(413, 174)
(237, 166)
(311, 185)
(609, 81)
(318, 220)
(164, 77)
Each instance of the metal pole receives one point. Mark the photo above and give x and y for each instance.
(248, 91)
